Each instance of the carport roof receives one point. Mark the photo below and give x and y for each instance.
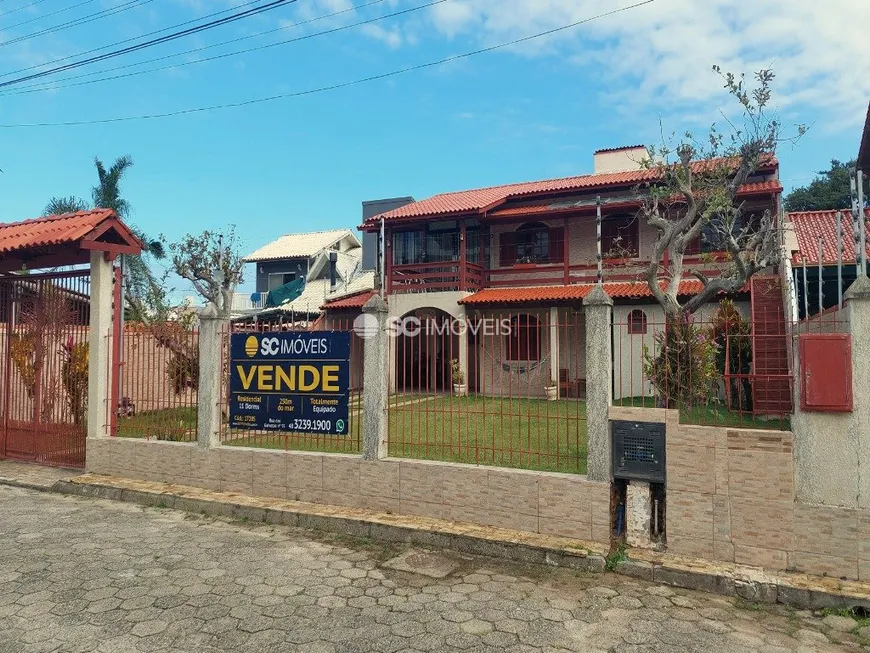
(65, 239)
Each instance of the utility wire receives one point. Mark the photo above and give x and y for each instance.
(132, 4)
(49, 15)
(41, 86)
(132, 38)
(333, 30)
(28, 6)
(333, 87)
(147, 44)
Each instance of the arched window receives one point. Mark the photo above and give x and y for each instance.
(637, 322)
(523, 343)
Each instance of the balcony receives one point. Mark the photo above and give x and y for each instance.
(248, 302)
(435, 277)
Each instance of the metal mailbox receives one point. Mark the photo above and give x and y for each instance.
(638, 450)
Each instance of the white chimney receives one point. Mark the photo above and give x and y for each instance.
(620, 159)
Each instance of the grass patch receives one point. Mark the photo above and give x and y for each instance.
(615, 557)
(177, 424)
(713, 414)
(750, 606)
(526, 433)
(508, 432)
(350, 443)
(858, 614)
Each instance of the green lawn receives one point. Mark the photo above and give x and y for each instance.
(177, 424)
(714, 415)
(526, 433)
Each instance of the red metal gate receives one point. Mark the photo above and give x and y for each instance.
(44, 367)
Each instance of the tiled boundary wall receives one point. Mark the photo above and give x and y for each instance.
(731, 498)
(539, 502)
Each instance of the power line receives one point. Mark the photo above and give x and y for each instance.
(333, 87)
(40, 88)
(28, 6)
(131, 4)
(53, 13)
(162, 39)
(133, 38)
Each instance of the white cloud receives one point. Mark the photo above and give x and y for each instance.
(392, 37)
(663, 52)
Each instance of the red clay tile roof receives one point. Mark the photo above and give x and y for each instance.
(357, 300)
(810, 225)
(53, 230)
(759, 187)
(624, 290)
(479, 200)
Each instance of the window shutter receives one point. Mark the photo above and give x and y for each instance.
(557, 245)
(507, 249)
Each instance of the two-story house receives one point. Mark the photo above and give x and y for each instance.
(527, 253)
(297, 273)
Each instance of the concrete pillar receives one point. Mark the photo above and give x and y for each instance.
(638, 515)
(858, 300)
(208, 410)
(599, 389)
(555, 356)
(376, 347)
(832, 450)
(99, 351)
(462, 354)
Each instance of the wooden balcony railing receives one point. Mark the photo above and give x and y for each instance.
(435, 277)
(448, 275)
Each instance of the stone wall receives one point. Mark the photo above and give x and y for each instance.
(731, 498)
(539, 502)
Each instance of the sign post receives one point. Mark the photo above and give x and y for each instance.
(297, 382)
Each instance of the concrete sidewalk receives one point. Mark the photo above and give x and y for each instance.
(748, 583)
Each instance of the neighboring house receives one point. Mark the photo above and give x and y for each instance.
(810, 229)
(807, 231)
(297, 273)
(528, 250)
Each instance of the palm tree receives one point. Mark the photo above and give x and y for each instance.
(60, 205)
(143, 291)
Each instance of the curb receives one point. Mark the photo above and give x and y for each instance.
(38, 487)
(746, 583)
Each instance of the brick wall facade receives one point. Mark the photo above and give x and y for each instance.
(731, 498)
(539, 502)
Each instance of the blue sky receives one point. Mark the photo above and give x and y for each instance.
(530, 112)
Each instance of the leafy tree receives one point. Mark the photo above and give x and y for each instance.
(831, 189)
(694, 190)
(212, 263)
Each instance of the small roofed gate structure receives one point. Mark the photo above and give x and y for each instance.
(54, 327)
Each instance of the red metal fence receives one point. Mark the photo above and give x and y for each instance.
(44, 366)
(158, 375)
(706, 365)
(350, 443)
(498, 388)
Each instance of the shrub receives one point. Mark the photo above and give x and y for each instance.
(732, 334)
(682, 369)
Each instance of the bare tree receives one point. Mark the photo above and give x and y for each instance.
(211, 262)
(693, 193)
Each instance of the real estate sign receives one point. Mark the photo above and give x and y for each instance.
(295, 381)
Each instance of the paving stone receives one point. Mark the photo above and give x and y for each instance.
(116, 578)
(840, 624)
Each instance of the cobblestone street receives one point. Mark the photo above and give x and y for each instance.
(93, 575)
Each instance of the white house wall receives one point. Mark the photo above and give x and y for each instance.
(628, 378)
